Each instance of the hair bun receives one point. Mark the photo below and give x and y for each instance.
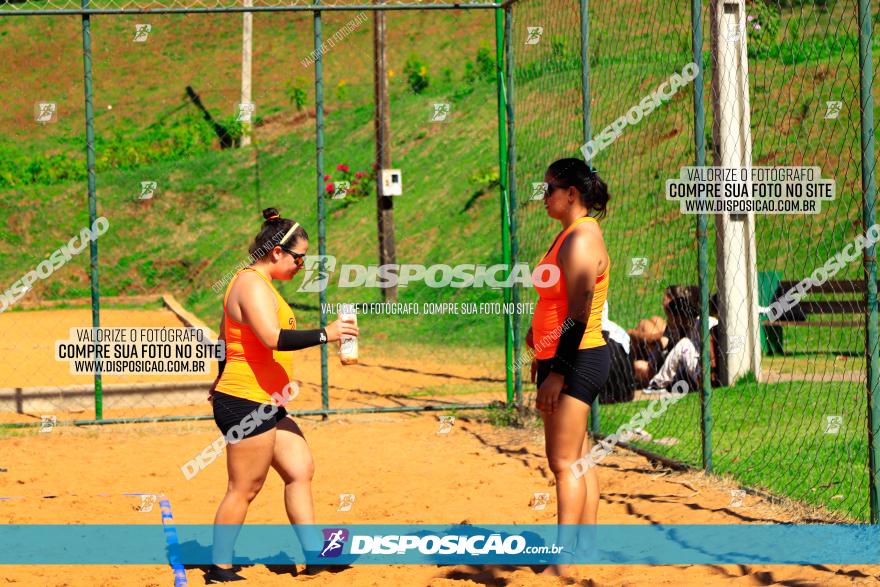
(271, 214)
(573, 172)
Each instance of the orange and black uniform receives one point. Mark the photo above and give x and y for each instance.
(253, 373)
(592, 363)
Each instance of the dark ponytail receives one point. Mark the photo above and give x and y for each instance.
(576, 173)
(273, 231)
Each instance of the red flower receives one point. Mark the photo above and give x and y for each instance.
(330, 188)
(342, 167)
(375, 166)
(360, 174)
(326, 178)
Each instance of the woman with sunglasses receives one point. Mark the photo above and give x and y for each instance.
(260, 332)
(573, 360)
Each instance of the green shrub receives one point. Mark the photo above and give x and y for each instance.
(746, 379)
(560, 59)
(762, 27)
(126, 148)
(793, 51)
(486, 180)
(342, 90)
(296, 93)
(482, 68)
(416, 75)
(506, 415)
(460, 93)
(557, 46)
(149, 273)
(234, 128)
(821, 4)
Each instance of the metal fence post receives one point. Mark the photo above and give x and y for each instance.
(511, 189)
(93, 203)
(322, 215)
(508, 317)
(702, 240)
(595, 423)
(870, 255)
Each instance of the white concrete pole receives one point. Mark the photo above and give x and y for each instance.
(246, 57)
(736, 262)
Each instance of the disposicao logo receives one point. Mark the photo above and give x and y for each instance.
(334, 541)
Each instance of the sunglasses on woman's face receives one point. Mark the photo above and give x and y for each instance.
(551, 187)
(298, 258)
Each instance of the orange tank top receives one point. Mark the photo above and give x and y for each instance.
(552, 307)
(254, 372)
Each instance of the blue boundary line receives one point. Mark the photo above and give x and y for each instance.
(167, 523)
(75, 495)
(173, 544)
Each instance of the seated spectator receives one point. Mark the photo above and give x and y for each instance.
(682, 362)
(620, 386)
(654, 337)
(647, 348)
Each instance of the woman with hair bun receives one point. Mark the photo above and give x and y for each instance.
(255, 381)
(573, 360)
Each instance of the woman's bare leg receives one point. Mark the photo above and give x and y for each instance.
(247, 463)
(586, 535)
(591, 477)
(564, 432)
(294, 463)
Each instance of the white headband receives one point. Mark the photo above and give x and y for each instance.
(289, 232)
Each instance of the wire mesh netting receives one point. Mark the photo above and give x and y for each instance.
(633, 49)
(166, 93)
(443, 140)
(802, 429)
(185, 164)
(219, 5)
(799, 428)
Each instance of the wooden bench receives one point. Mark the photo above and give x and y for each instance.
(854, 303)
(854, 289)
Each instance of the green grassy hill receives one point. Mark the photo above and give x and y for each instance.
(208, 202)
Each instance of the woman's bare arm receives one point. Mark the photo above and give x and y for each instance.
(580, 266)
(580, 258)
(259, 309)
(220, 338)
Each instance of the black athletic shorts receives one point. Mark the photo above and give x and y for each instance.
(586, 380)
(251, 418)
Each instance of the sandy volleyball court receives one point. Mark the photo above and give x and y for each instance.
(400, 470)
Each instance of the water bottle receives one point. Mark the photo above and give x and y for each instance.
(348, 345)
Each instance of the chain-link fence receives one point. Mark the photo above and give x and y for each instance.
(185, 161)
(802, 430)
(781, 402)
(443, 138)
(795, 420)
